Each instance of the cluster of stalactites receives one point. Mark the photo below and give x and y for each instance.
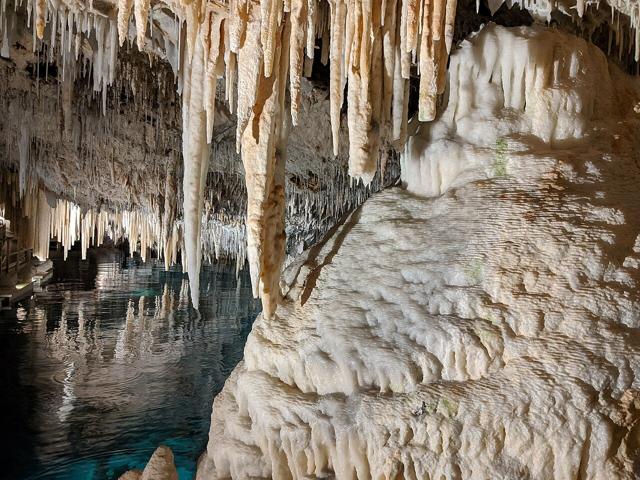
(371, 47)
(623, 23)
(268, 46)
(220, 45)
(40, 217)
(71, 31)
(68, 224)
(262, 48)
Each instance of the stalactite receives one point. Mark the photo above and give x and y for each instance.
(263, 156)
(271, 16)
(449, 22)
(337, 80)
(141, 13)
(362, 41)
(41, 17)
(389, 60)
(43, 222)
(169, 233)
(296, 57)
(195, 154)
(124, 15)
(214, 40)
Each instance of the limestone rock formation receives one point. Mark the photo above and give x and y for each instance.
(131, 475)
(487, 332)
(160, 467)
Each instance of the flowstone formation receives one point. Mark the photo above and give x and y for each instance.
(488, 332)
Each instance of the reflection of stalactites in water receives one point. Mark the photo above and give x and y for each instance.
(143, 328)
(165, 302)
(22, 315)
(184, 297)
(83, 346)
(172, 302)
(125, 337)
(57, 340)
(39, 326)
(127, 389)
(141, 307)
(68, 395)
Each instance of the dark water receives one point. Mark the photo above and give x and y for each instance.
(111, 361)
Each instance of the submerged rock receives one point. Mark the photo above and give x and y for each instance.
(160, 467)
(131, 475)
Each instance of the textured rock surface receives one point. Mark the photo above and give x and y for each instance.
(160, 467)
(490, 332)
(131, 475)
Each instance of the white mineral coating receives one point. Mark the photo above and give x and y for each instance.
(195, 155)
(489, 332)
(504, 85)
(373, 48)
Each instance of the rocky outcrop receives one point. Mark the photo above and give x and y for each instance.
(160, 467)
(488, 332)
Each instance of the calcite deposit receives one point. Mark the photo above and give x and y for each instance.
(486, 332)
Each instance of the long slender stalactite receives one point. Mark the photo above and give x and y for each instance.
(195, 153)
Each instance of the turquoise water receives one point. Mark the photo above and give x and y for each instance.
(110, 361)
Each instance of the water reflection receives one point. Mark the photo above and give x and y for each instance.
(110, 361)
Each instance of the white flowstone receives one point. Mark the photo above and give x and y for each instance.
(486, 333)
(505, 84)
